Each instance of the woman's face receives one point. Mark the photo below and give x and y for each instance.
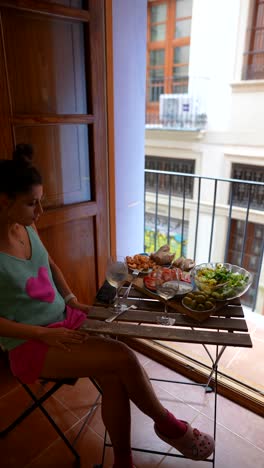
(26, 208)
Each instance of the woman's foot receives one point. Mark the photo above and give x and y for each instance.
(193, 444)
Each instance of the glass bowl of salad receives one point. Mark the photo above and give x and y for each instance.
(222, 281)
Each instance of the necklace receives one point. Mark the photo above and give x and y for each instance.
(21, 241)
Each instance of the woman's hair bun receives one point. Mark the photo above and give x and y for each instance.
(23, 154)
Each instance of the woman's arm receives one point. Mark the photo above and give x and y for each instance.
(21, 331)
(59, 279)
(64, 288)
(62, 285)
(59, 337)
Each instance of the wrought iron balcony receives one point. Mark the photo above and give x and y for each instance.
(207, 219)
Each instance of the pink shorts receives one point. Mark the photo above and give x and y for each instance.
(27, 359)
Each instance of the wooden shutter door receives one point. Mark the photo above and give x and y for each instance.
(52, 92)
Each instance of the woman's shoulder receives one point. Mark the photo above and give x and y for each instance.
(33, 233)
(32, 228)
(36, 242)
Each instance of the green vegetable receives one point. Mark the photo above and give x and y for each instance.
(221, 282)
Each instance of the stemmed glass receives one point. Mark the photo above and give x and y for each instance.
(167, 285)
(116, 274)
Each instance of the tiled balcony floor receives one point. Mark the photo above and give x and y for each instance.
(34, 444)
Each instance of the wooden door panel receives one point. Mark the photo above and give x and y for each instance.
(55, 70)
(72, 246)
(66, 172)
(46, 63)
(69, 3)
(6, 138)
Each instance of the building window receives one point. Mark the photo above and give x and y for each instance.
(245, 193)
(254, 67)
(170, 184)
(168, 48)
(252, 252)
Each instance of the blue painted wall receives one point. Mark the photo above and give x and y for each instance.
(129, 57)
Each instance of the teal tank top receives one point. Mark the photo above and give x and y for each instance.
(27, 291)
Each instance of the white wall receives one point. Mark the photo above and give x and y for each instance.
(212, 56)
(129, 60)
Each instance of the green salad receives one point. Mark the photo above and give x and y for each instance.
(220, 282)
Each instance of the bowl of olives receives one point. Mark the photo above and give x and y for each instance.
(198, 301)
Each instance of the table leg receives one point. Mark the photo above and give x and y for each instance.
(215, 363)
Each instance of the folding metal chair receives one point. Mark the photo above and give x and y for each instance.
(38, 403)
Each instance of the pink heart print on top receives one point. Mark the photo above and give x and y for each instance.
(40, 287)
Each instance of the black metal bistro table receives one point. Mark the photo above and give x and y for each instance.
(226, 327)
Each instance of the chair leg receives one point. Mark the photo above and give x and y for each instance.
(17, 421)
(28, 411)
(87, 417)
(52, 422)
(38, 404)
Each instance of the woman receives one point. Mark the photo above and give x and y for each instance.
(40, 320)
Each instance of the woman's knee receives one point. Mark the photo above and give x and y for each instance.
(125, 356)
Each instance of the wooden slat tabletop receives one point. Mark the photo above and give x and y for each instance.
(227, 327)
(167, 333)
(143, 316)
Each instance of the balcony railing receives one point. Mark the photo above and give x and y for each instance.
(177, 103)
(205, 220)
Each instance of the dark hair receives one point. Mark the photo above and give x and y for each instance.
(18, 175)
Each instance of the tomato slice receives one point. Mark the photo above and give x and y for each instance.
(178, 274)
(150, 282)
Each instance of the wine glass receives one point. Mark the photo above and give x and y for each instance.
(167, 285)
(116, 274)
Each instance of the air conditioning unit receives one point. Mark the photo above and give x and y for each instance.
(180, 111)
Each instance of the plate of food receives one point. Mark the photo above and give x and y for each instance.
(222, 281)
(141, 262)
(149, 281)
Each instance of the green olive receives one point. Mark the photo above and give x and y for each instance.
(187, 301)
(208, 305)
(216, 295)
(190, 295)
(200, 307)
(201, 298)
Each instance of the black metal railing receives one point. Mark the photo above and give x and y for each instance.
(207, 221)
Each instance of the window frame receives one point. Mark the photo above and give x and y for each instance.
(252, 51)
(168, 45)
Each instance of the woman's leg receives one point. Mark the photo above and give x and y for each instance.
(100, 357)
(117, 418)
(104, 358)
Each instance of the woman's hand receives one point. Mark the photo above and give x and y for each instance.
(61, 337)
(77, 305)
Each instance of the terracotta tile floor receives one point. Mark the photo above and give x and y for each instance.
(34, 444)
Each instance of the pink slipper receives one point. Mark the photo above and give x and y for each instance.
(193, 444)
